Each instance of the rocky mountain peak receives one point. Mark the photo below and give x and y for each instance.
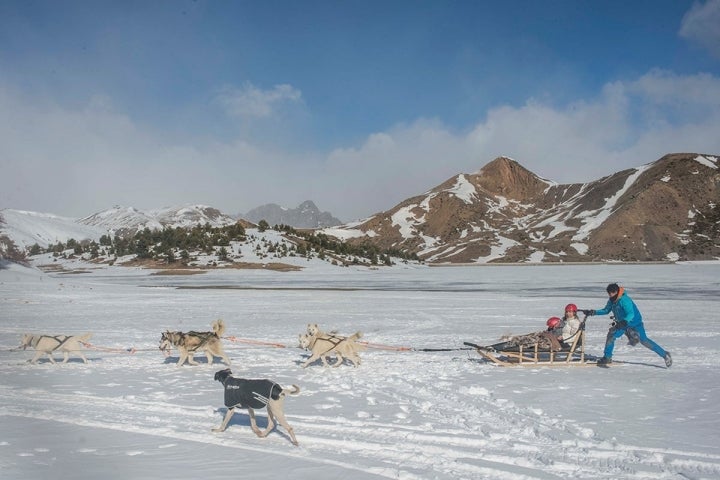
(506, 177)
(664, 210)
(306, 215)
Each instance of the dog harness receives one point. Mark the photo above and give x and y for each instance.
(203, 336)
(243, 393)
(333, 340)
(60, 339)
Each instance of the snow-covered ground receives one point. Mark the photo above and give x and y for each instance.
(402, 414)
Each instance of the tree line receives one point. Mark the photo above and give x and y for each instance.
(173, 244)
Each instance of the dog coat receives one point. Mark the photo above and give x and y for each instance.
(243, 393)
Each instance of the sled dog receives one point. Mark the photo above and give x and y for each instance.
(47, 344)
(322, 345)
(255, 394)
(188, 343)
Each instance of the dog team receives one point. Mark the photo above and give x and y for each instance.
(250, 394)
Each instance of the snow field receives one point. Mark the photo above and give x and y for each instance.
(401, 414)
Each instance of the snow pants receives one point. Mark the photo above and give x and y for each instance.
(615, 333)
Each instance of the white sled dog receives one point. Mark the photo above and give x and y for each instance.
(188, 343)
(322, 345)
(255, 394)
(47, 344)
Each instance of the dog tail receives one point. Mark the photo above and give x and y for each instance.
(86, 337)
(218, 327)
(294, 391)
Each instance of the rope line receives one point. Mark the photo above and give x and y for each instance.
(90, 346)
(255, 342)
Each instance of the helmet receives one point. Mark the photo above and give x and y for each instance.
(553, 322)
(612, 288)
(571, 307)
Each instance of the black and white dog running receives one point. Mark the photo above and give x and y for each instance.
(255, 394)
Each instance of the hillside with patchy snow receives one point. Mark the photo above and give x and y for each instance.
(661, 211)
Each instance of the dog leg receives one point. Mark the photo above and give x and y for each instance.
(52, 360)
(36, 357)
(253, 423)
(340, 359)
(84, 359)
(224, 356)
(280, 417)
(190, 358)
(225, 421)
(270, 425)
(210, 358)
(183, 357)
(312, 358)
(66, 356)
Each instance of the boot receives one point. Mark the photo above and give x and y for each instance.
(604, 362)
(668, 360)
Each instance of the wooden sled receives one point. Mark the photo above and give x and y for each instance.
(535, 356)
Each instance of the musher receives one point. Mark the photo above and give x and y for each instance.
(628, 320)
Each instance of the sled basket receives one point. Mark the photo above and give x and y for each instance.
(533, 355)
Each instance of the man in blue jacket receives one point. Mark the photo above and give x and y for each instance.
(628, 321)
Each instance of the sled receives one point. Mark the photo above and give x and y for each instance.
(533, 355)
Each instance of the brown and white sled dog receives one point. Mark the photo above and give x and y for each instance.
(188, 343)
(255, 394)
(323, 345)
(47, 344)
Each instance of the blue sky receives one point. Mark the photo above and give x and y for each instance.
(355, 105)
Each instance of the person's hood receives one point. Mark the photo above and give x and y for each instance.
(616, 298)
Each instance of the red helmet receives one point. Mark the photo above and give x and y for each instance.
(571, 307)
(553, 322)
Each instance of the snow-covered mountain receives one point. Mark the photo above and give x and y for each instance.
(665, 210)
(25, 228)
(128, 220)
(306, 215)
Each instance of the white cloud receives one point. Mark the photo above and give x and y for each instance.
(701, 24)
(660, 87)
(252, 102)
(76, 162)
(581, 142)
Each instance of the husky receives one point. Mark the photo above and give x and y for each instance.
(190, 342)
(322, 345)
(255, 394)
(47, 344)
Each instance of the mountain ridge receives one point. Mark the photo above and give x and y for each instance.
(305, 215)
(505, 213)
(665, 210)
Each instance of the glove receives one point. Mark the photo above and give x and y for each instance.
(619, 325)
(588, 313)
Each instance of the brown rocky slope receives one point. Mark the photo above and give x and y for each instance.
(664, 210)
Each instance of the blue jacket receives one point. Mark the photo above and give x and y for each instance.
(623, 308)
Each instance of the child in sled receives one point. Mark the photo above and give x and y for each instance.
(560, 333)
(548, 339)
(570, 325)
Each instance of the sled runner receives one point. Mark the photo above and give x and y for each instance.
(571, 353)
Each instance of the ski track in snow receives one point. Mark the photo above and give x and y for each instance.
(469, 435)
(409, 415)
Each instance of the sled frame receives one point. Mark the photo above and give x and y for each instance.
(534, 356)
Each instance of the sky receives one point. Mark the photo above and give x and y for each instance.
(355, 105)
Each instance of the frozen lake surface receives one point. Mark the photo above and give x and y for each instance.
(408, 414)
